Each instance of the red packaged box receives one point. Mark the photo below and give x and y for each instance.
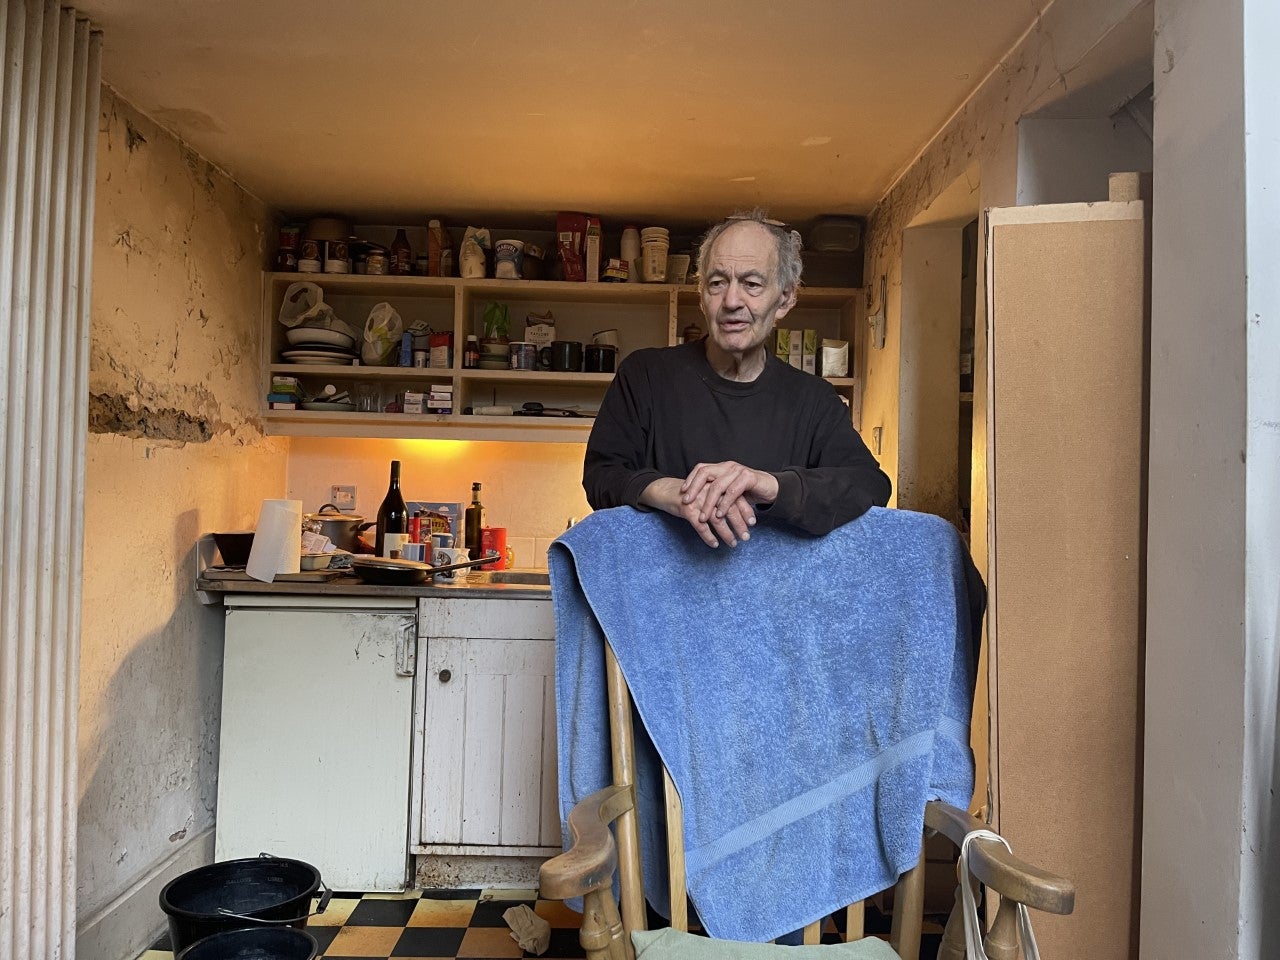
(571, 229)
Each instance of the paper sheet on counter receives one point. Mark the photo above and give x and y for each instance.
(277, 540)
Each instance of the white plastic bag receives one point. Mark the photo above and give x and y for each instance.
(304, 306)
(303, 302)
(381, 335)
(972, 926)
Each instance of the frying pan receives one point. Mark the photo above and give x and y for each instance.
(405, 573)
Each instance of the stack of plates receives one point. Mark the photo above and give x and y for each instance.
(331, 356)
(319, 346)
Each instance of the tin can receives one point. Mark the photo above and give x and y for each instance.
(290, 236)
(523, 355)
(337, 258)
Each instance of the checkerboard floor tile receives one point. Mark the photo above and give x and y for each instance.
(449, 924)
(427, 925)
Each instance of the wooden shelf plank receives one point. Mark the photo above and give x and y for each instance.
(542, 377)
(412, 426)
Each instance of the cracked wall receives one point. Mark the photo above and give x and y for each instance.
(175, 450)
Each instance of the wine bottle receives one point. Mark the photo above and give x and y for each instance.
(474, 520)
(393, 518)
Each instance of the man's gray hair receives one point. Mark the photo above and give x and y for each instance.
(787, 242)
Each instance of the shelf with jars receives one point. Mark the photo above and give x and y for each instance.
(544, 404)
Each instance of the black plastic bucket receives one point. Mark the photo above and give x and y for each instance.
(261, 943)
(261, 891)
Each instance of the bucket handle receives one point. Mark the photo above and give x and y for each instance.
(325, 896)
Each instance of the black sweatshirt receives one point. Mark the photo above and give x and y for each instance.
(668, 411)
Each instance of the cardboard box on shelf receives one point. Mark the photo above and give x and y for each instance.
(795, 348)
(809, 351)
(782, 344)
(593, 245)
(446, 517)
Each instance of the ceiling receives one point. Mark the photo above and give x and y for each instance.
(663, 110)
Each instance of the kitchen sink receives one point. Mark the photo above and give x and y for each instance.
(539, 578)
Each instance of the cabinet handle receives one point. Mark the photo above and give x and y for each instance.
(445, 676)
(407, 648)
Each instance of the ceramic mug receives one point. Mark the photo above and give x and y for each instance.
(563, 356)
(606, 338)
(601, 358)
(443, 557)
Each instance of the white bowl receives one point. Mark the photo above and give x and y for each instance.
(318, 335)
(314, 561)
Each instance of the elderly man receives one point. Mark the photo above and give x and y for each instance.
(719, 430)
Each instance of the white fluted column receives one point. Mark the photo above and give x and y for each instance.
(49, 88)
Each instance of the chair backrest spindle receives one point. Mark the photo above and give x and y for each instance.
(623, 743)
(677, 885)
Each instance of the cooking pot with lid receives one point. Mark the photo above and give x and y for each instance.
(343, 529)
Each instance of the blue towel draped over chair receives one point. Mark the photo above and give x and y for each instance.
(808, 696)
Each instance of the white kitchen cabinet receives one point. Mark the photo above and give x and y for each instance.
(644, 315)
(485, 738)
(317, 709)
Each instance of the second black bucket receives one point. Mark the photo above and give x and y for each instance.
(257, 891)
(268, 943)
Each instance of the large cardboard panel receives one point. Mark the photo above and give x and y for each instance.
(1067, 335)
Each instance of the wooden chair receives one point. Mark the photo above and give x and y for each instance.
(586, 870)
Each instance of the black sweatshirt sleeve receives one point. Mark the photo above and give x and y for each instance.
(614, 473)
(841, 482)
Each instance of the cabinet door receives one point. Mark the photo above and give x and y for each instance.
(315, 742)
(489, 756)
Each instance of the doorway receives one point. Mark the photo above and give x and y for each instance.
(935, 387)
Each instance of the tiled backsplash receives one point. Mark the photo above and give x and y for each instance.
(530, 551)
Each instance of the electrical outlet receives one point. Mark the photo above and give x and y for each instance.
(877, 434)
(343, 496)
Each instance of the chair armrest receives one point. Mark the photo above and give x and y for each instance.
(592, 857)
(999, 869)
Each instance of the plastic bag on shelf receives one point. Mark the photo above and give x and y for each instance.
(304, 306)
(381, 335)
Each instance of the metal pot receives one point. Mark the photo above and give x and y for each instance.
(343, 529)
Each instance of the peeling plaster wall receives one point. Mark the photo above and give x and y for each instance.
(174, 451)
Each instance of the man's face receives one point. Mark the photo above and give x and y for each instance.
(741, 298)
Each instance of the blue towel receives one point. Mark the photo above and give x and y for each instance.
(808, 696)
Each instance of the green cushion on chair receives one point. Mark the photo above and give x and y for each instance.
(669, 944)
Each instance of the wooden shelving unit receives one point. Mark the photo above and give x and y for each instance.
(644, 315)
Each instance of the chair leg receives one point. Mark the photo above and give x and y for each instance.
(908, 911)
(601, 934)
(953, 945)
(1001, 941)
(854, 916)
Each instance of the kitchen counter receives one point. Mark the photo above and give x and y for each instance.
(352, 586)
